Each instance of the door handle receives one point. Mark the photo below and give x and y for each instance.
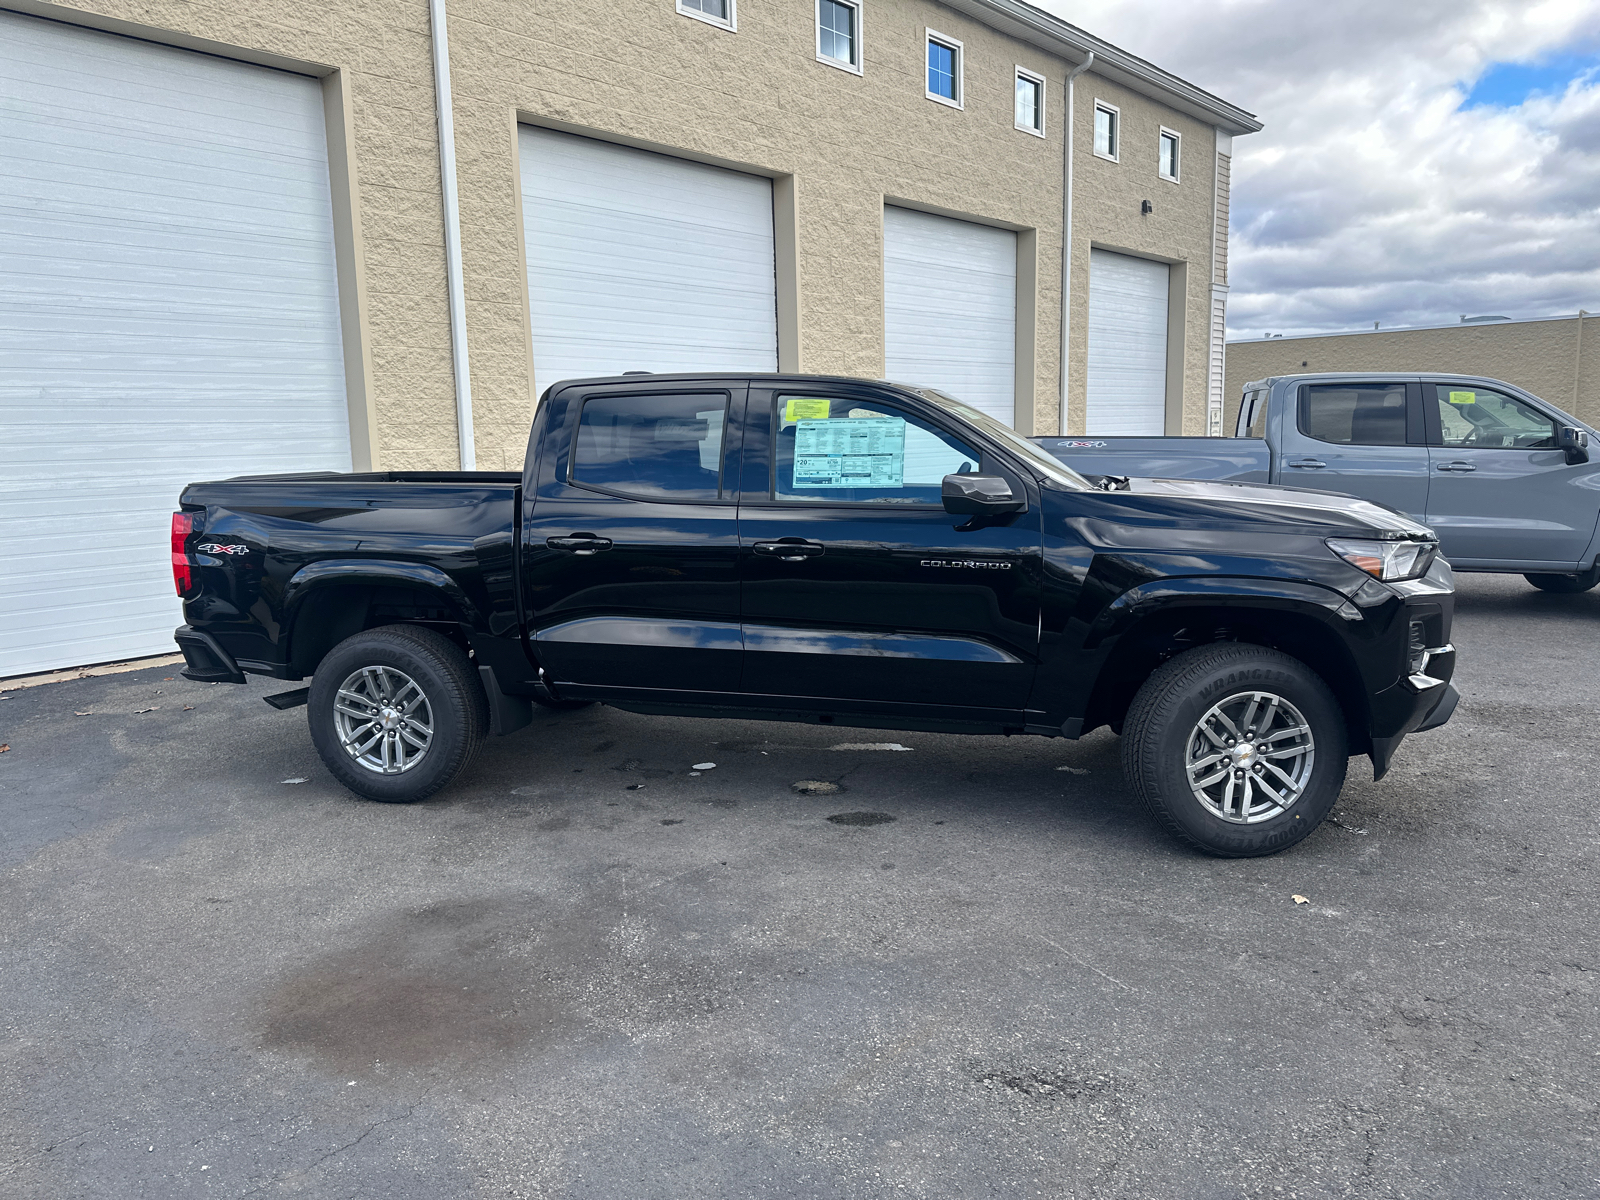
(1310, 464)
(788, 549)
(1458, 465)
(579, 543)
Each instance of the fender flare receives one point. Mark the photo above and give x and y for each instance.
(377, 573)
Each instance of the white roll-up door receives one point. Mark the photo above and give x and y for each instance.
(1127, 377)
(643, 262)
(168, 313)
(950, 308)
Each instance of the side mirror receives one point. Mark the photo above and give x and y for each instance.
(1574, 441)
(979, 496)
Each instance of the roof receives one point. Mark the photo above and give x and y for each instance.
(1462, 325)
(1051, 33)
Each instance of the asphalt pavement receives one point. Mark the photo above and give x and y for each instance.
(588, 971)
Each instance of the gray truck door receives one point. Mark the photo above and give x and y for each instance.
(1501, 492)
(1366, 439)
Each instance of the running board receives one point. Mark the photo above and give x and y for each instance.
(292, 699)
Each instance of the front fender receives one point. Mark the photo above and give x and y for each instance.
(1245, 591)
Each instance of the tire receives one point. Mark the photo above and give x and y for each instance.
(397, 662)
(1565, 585)
(560, 705)
(1162, 734)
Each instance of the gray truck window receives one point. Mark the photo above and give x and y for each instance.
(1474, 416)
(832, 451)
(1354, 414)
(1252, 415)
(652, 447)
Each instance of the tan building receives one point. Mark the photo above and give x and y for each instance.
(232, 245)
(1555, 358)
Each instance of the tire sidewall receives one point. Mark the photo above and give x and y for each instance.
(1267, 672)
(451, 720)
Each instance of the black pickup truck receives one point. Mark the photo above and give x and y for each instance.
(836, 551)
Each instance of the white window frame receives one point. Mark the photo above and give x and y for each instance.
(731, 24)
(860, 41)
(1177, 154)
(1031, 77)
(1116, 131)
(949, 43)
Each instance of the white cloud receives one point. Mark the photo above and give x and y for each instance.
(1372, 195)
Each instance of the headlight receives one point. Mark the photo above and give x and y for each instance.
(1388, 561)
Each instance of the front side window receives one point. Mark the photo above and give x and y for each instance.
(835, 451)
(1030, 102)
(1105, 131)
(1167, 155)
(652, 447)
(944, 69)
(717, 12)
(1354, 414)
(1472, 416)
(839, 33)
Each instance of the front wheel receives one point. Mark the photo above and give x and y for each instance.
(1566, 585)
(1236, 749)
(396, 712)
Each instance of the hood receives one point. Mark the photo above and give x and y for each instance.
(1253, 505)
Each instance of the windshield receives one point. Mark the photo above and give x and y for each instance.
(1052, 469)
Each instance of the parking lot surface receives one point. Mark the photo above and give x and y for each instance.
(589, 971)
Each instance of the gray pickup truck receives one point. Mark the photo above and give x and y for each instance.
(1503, 477)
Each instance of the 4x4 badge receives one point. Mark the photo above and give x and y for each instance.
(213, 548)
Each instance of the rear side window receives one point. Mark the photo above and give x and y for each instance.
(1253, 415)
(652, 447)
(1355, 414)
(833, 451)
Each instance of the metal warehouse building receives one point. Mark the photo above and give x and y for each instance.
(226, 242)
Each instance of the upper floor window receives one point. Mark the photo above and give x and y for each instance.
(944, 69)
(839, 34)
(713, 12)
(1030, 102)
(1167, 155)
(1107, 130)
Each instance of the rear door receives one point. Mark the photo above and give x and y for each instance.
(630, 546)
(1502, 490)
(1367, 439)
(858, 588)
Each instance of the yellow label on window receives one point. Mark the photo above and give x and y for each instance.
(806, 410)
(1463, 397)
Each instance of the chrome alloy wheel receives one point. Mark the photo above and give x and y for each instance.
(1250, 757)
(383, 719)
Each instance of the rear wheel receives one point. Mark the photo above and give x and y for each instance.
(396, 713)
(1566, 585)
(1237, 750)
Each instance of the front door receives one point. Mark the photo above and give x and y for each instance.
(630, 545)
(1366, 439)
(857, 585)
(1499, 491)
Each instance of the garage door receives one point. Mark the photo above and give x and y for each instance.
(643, 262)
(950, 308)
(168, 312)
(1127, 376)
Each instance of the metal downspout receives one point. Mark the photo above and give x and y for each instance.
(1066, 244)
(452, 235)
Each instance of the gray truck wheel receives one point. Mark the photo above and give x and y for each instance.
(396, 713)
(1566, 585)
(1236, 749)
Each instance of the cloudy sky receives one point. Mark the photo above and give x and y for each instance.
(1421, 159)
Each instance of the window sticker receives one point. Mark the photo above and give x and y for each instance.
(850, 452)
(800, 409)
(1463, 397)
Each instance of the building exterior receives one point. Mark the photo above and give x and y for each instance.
(231, 245)
(1555, 358)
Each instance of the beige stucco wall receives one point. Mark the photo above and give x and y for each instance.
(757, 99)
(1542, 357)
(1106, 215)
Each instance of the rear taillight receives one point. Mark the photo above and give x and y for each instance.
(182, 575)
